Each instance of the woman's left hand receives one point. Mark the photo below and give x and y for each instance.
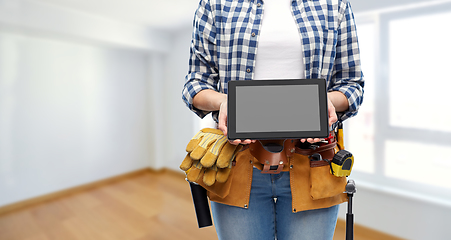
(332, 112)
(332, 119)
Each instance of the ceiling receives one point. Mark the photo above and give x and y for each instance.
(164, 14)
(173, 14)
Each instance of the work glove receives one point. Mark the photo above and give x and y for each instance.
(210, 153)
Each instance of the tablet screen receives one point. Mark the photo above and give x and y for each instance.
(268, 109)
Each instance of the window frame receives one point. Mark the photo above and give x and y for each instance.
(381, 118)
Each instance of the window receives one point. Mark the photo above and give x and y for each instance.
(360, 133)
(419, 63)
(401, 137)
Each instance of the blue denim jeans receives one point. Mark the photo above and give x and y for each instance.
(269, 214)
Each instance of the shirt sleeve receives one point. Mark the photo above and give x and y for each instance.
(347, 76)
(203, 70)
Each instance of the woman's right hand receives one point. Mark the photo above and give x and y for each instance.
(222, 117)
(222, 124)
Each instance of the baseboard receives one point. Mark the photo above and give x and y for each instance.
(177, 173)
(365, 231)
(69, 191)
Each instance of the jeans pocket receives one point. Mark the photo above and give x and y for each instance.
(325, 185)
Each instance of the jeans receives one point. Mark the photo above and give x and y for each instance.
(269, 215)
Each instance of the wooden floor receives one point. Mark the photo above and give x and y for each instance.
(151, 205)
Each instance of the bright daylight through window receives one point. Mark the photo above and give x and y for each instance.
(402, 135)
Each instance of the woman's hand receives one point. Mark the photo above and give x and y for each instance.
(332, 112)
(222, 124)
(222, 117)
(210, 100)
(332, 119)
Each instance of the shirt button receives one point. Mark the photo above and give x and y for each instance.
(259, 5)
(253, 34)
(248, 70)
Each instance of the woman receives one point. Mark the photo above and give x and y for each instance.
(288, 39)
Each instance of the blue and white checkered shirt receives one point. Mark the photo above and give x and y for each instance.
(225, 37)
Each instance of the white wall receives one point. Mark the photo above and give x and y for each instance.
(157, 117)
(57, 22)
(86, 98)
(179, 117)
(70, 114)
(75, 102)
(171, 120)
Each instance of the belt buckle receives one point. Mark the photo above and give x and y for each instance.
(273, 169)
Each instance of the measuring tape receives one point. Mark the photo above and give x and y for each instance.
(341, 164)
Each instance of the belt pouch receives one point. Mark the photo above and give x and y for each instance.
(322, 183)
(272, 154)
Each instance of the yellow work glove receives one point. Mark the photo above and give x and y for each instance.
(210, 153)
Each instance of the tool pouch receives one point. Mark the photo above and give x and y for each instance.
(272, 154)
(322, 183)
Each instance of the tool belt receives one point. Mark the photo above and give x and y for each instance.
(274, 154)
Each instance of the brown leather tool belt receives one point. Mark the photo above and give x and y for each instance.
(326, 150)
(274, 154)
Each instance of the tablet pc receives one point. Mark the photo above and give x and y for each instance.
(277, 109)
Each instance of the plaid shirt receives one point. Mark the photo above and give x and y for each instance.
(225, 37)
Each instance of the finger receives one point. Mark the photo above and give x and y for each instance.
(209, 177)
(235, 142)
(333, 118)
(186, 163)
(223, 129)
(238, 141)
(222, 118)
(313, 140)
(223, 174)
(222, 124)
(332, 114)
